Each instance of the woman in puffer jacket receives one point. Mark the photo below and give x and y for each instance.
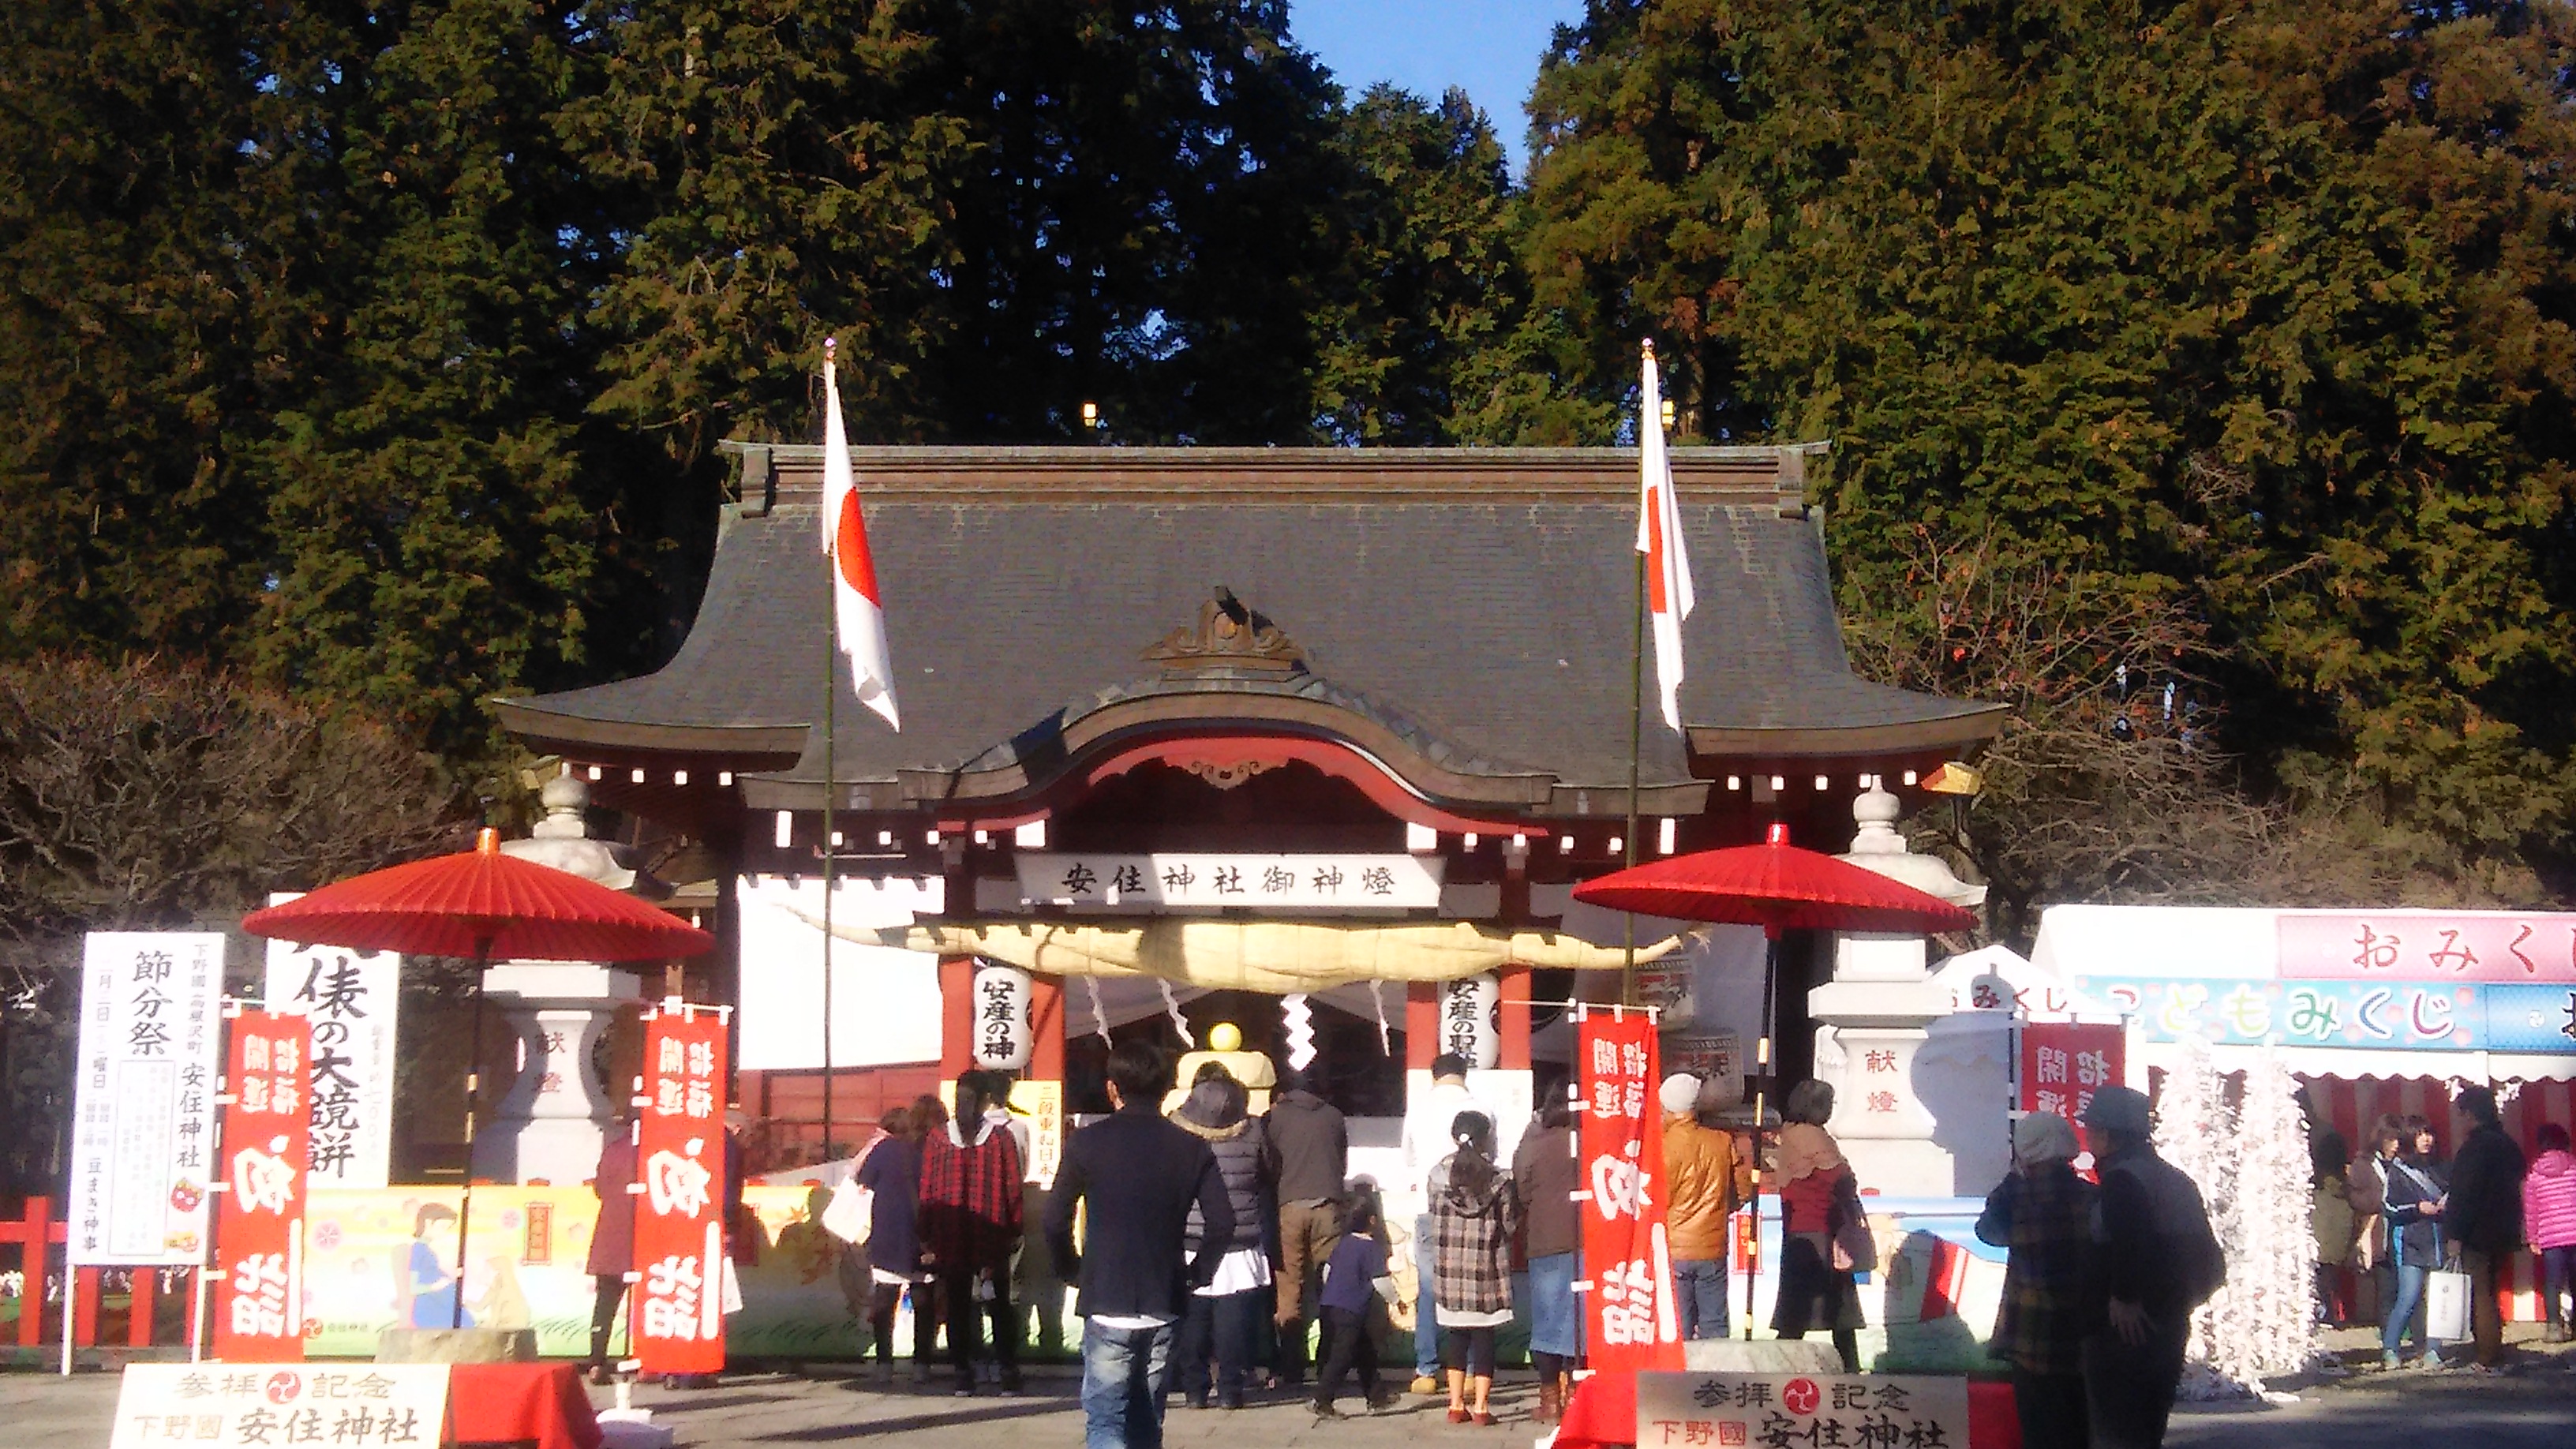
(2549, 1218)
(1225, 1318)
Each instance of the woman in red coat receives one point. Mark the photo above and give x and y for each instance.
(612, 1238)
(1818, 1198)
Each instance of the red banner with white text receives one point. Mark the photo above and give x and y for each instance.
(2063, 1064)
(259, 1229)
(1629, 1316)
(680, 1174)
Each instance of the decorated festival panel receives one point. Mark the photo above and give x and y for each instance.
(1630, 1322)
(259, 1238)
(144, 1101)
(680, 1259)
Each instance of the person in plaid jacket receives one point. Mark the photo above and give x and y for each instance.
(2043, 1214)
(969, 1221)
(1473, 1217)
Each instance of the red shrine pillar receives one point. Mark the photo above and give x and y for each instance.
(1046, 1028)
(1421, 1025)
(1515, 1044)
(956, 1015)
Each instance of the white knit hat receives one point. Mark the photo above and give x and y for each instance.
(1679, 1093)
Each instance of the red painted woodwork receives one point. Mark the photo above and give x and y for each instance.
(1341, 761)
(956, 1015)
(1516, 1019)
(1421, 1025)
(1046, 1028)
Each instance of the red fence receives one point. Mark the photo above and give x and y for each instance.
(30, 1234)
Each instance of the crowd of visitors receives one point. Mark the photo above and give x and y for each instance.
(1208, 1245)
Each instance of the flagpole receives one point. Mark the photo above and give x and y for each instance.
(831, 782)
(1636, 719)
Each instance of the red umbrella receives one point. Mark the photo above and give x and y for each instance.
(481, 905)
(1774, 885)
(1779, 887)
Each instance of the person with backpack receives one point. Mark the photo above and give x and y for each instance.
(2412, 1210)
(1473, 1216)
(2158, 1259)
(2482, 1215)
(2042, 1216)
(2549, 1221)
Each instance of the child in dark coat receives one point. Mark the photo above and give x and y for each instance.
(1350, 1290)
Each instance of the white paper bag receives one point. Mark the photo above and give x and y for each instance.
(2446, 1306)
(851, 1213)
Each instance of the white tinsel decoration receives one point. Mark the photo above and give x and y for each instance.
(2269, 1303)
(2252, 1166)
(2195, 1131)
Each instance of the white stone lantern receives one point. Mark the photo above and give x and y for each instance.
(1872, 1021)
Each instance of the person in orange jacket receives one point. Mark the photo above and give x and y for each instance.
(1704, 1179)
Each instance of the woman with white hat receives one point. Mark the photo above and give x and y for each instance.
(2042, 1215)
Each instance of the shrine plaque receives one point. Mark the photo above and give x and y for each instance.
(1152, 884)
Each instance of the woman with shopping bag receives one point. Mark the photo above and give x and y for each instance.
(2413, 1214)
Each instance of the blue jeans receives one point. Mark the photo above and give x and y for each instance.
(2401, 1309)
(2557, 1266)
(1123, 1373)
(1426, 1322)
(1699, 1291)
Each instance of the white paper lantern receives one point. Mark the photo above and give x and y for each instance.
(1002, 1033)
(1471, 1020)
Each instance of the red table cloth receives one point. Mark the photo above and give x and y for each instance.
(544, 1403)
(1604, 1413)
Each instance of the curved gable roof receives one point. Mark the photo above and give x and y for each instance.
(1473, 604)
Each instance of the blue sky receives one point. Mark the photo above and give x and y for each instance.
(1491, 47)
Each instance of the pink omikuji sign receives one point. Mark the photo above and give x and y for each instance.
(2490, 946)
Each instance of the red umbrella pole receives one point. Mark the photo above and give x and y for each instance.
(1761, 1089)
(473, 1102)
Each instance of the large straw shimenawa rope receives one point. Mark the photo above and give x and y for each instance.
(1272, 956)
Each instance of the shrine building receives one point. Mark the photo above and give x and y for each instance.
(1312, 742)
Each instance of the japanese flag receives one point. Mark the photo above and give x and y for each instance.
(858, 614)
(1659, 538)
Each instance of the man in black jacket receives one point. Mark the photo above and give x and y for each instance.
(2483, 1223)
(1135, 1176)
(2156, 1261)
(1310, 1153)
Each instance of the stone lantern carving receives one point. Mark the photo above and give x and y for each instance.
(550, 1123)
(1873, 1020)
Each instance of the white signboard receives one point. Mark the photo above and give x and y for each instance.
(351, 998)
(242, 1406)
(143, 1106)
(1193, 882)
(1777, 1411)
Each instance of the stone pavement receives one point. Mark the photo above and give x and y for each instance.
(2532, 1407)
